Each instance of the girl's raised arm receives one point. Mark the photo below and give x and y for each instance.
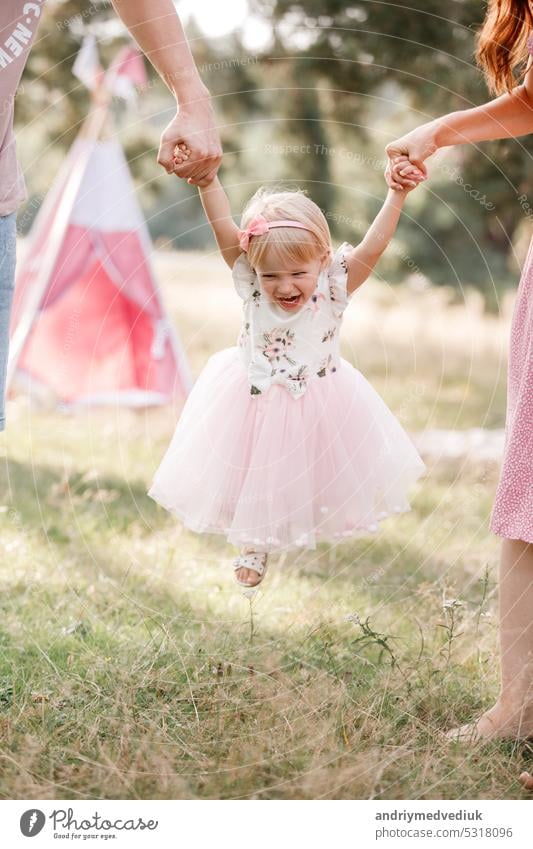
(217, 209)
(362, 259)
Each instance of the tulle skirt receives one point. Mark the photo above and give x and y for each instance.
(276, 472)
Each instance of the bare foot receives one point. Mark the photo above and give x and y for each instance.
(526, 779)
(498, 723)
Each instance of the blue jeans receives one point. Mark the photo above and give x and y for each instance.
(8, 230)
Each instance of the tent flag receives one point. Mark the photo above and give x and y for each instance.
(129, 74)
(87, 67)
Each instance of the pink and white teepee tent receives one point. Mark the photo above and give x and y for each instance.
(88, 323)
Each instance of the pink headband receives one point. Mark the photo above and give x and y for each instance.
(259, 225)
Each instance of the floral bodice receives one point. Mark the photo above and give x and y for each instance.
(291, 348)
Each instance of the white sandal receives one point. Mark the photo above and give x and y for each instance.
(256, 561)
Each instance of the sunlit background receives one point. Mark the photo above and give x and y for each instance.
(130, 665)
(309, 94)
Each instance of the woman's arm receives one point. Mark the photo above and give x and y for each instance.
(362, 259)
(510, 115)
(217, 209)
(156, 27)
(507, 116)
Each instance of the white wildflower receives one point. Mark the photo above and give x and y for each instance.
(353, 617)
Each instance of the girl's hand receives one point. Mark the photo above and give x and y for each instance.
(415, 146)
(405, 174)
(202, 184)
(181, 155)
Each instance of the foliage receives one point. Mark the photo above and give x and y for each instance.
(314, 109)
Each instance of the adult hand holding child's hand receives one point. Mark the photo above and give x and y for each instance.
(181, 157)
(411, 149)
(405, 175)
(193, 127)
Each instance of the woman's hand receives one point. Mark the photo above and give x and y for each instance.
(412, 148)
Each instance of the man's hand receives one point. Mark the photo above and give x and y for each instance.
(157, 29)
(193, 127)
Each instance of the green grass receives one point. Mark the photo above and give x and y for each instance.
(132, 667)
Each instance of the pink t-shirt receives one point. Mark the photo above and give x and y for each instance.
(18, 24)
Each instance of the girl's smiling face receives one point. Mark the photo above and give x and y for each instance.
(289, 286)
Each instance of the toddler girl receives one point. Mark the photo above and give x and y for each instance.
(282, 443)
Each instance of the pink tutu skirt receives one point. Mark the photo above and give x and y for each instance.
(277, 472)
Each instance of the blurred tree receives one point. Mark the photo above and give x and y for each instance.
(387, 67)
(46, 132)
(315, 108)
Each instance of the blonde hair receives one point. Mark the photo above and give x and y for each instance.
(288, 243)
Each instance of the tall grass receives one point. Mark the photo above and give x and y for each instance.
(131, 666)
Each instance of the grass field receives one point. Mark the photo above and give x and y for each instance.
(132, 667)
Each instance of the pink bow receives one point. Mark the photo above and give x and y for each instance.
(255, 227)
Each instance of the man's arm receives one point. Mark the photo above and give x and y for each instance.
(156, 27)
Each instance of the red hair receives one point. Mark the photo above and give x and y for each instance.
(501, 43)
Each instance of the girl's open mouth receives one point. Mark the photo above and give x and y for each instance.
(290, 303)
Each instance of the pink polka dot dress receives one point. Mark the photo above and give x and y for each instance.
(512, 514)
